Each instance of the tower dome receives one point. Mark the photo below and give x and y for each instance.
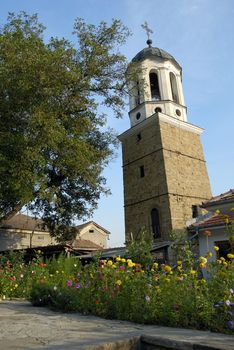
(154, 52)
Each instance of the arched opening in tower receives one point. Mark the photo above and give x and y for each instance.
(174, 91)
(154, 87)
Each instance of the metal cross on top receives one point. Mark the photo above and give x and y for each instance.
(146, 27)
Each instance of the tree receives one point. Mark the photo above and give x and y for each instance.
(53, 140)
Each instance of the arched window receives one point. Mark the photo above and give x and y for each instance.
(154, 87)
(174, 90)
(155, 223)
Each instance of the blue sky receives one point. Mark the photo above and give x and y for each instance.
(200, 35)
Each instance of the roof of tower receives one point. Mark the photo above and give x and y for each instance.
(149, 52)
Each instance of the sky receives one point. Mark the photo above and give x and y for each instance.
(200, 35)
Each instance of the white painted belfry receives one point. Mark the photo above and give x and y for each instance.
(169, 75)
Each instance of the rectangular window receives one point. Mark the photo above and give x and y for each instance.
(41, 238)
(142, 171)
(138, 137)
(194, 211)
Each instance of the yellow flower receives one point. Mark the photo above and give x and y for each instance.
(158, 289)
(16, 285)
(225, 263)
(155, 265)
(202, 265)
(179, 278)
(216, 248)
(123, 260)
(222, 258)
(179, 268)
(129, 261)
(114, 266)
(226, 220)
(203, 281)
(217, 211)
(179, 262)
(167, 268)
(203, 260)
(57, 271)
(118, 258)
(193, 272)
(118, 282)
(219, 261)
(232, 209)
(230, 256)
(109, 262)
(131, 264)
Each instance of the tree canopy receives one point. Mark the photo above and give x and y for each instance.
(53, 140)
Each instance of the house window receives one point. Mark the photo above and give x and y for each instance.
(154, 87)
(174, 91)
(155, 223)
(41, 238)
(224, 248)
(142, 171)
(91, 231)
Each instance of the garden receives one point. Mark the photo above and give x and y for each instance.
(137, 290)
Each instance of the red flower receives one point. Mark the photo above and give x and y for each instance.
(97, 302)
(207, 233)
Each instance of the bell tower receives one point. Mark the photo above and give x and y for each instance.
(164, 169)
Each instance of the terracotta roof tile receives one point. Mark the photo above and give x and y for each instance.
(214, 220)
(221, 198)
(23, 222)
(84, 243)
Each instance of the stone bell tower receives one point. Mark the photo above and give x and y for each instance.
(164, 169)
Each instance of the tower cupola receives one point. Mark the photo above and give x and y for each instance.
(157, 85)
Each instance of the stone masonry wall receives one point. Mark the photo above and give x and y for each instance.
(175, 176)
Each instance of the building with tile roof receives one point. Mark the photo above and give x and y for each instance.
(216, 226)
(22, 232)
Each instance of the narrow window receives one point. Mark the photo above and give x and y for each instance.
(138, 137)
(174, 90)
(155, 223)
(154, 87)
(142, 171)
(194, 211)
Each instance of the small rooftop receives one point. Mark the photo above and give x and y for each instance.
(220, 199)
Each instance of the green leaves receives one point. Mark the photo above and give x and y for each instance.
(53, 143)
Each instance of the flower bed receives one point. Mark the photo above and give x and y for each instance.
(122, 289)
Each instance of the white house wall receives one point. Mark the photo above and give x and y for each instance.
(97, 236)
(18, 239)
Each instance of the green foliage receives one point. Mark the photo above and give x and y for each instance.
(140, 250)
(182, 248)
(54, 142)
(121, 289)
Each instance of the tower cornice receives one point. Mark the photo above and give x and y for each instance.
(164, 118)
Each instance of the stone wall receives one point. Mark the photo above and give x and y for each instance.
(175, 176)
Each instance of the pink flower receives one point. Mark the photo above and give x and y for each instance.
(69, 283)
(77, 286)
